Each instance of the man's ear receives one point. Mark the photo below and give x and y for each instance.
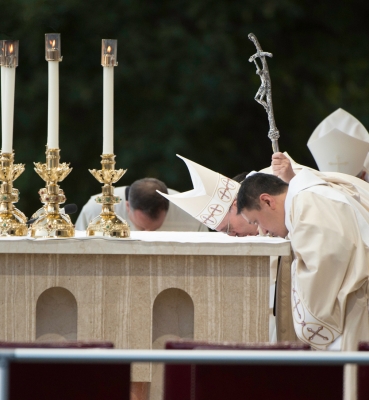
(267, 199)
(127, 206)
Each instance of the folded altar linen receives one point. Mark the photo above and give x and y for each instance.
(160, 236)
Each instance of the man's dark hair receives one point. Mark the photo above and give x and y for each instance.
(143, 196)
(254, 186)
(240, 177)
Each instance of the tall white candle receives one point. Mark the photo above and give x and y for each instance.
(53, 106)
(108, 61)
(7, 108)
(2, 76)
(108, 111)
(2, 90)
(9, 61)
(53, 57)
(2, 100)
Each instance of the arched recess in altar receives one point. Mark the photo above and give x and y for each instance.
(56, 316)
(172, 319)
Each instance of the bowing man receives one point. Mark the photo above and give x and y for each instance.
(144, 209)
(329, 232)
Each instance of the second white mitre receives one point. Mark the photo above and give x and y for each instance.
(340, 143)
(211, 197)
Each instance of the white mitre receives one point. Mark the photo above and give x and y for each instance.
(340, 143)
(211, 197)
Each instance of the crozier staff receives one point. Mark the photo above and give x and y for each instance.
(264, 94)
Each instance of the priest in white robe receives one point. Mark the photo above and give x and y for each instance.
(329, 230)
(208, 187)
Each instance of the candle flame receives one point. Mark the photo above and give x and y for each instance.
(11, 48)
(52, 43)
(109, 49)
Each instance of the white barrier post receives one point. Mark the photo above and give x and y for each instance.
(4, 375)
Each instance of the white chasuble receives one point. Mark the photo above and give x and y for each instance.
(328, 226)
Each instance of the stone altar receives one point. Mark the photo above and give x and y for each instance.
(137, 293)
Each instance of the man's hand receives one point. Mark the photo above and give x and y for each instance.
(281, 167)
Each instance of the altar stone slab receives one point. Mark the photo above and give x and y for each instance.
(97, 289)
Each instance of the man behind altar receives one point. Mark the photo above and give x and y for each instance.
(328, 225)
(144, 209)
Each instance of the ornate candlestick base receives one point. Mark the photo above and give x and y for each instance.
(12, 221)
(108, 223)
(50, 223)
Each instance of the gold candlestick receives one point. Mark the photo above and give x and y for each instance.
(50, 222)
(108, 223)
(12, 221)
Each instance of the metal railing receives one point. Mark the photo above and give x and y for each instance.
(257, 357)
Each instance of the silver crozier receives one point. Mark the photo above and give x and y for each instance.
(264, 94)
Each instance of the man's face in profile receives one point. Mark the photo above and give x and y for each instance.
(270, 216)
(236, 225)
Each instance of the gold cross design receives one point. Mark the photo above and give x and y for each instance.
(215, 209)
(225, 192)
(296, 304)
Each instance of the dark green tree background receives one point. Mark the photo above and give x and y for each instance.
(184, 84)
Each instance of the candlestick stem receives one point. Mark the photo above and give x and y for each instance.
(50, 222)
(108, 223)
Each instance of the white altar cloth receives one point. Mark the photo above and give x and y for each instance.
(147, 243)
(161, 236)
